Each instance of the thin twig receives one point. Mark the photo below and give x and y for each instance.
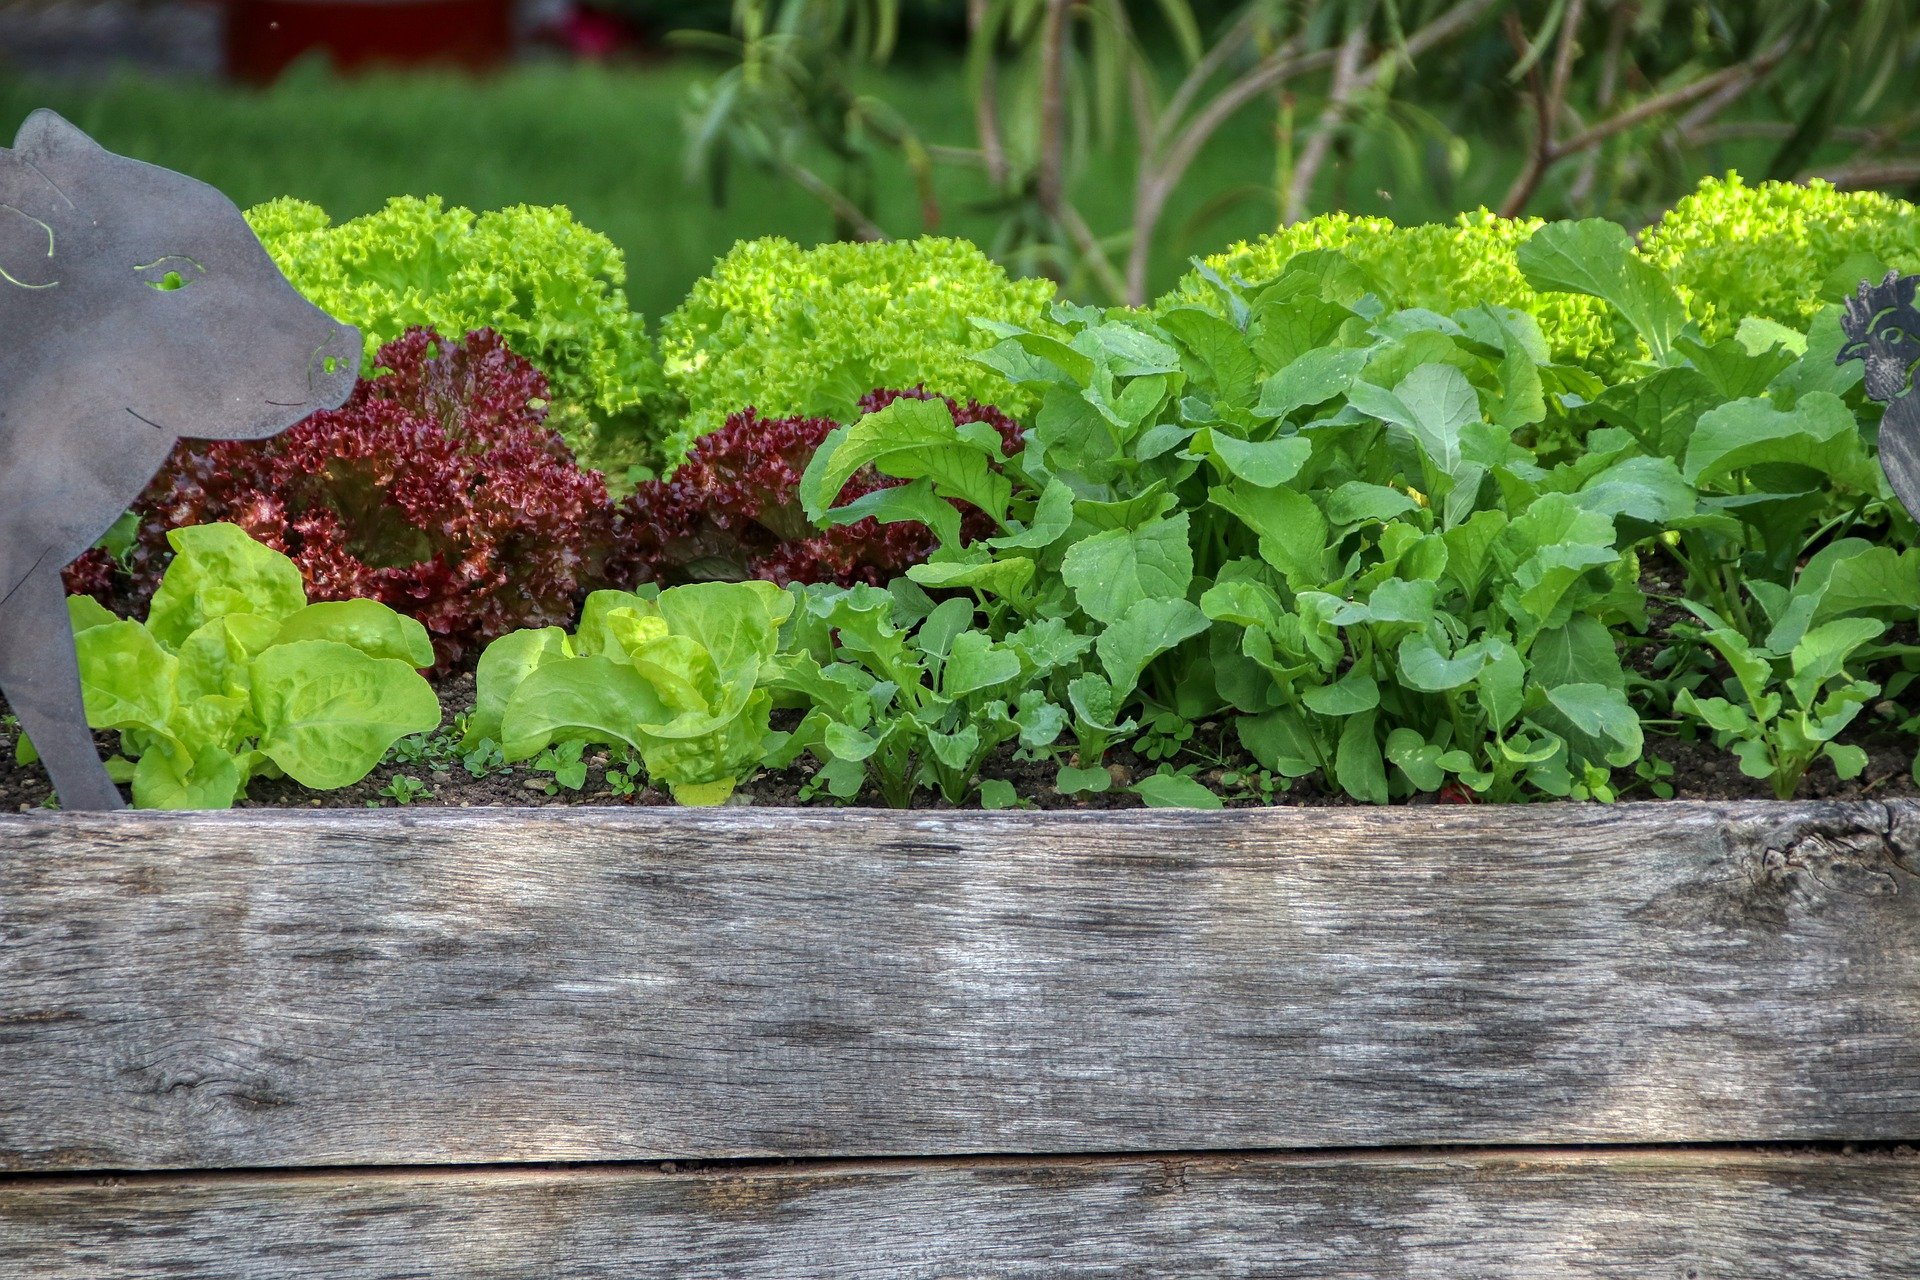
(1339, 94)
(1750, 72)
(1623, 15)
(986, 106)
(1563, 63)
(1704, 114)
(1873, 173)
(1160, 175)
(845, 211)
(1092, 251)
(1775, 130)
(1744, 75)
(1540, 154)
(1204, 70)
(1051, 182)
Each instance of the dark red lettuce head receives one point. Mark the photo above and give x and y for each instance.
(436, 489)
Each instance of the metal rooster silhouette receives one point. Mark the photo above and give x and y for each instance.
(136, 308)
(1883, 329)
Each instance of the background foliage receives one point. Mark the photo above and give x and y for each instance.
(1449, 134)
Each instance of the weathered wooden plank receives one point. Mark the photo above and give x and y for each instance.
(1635, 1216)
(291, 990)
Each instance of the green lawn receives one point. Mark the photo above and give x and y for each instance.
(607, 143)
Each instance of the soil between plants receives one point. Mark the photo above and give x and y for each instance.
(1701, 771)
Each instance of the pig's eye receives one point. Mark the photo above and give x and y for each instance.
(169, 273)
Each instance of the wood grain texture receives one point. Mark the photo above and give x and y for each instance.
(1635, 1216)
(284, 989)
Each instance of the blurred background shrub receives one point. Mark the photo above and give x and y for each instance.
(1100, 142)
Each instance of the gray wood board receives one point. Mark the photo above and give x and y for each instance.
(283, 989)
(1632, 1215)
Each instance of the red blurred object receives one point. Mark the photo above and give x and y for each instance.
(592, 35)
(263, 36)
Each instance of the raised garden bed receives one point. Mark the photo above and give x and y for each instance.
(511, 1043)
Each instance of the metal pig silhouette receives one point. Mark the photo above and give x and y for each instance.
(1883, 329)
(136, 308)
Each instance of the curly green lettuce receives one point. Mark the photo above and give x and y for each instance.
(806, 332)
(1440, 266)
(1779, 250)
(549, 286)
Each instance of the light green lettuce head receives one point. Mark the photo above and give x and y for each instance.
(235, 676)
(1778, 251)
(680, 677)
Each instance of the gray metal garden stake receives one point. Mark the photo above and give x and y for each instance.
(136, 308)
(1883, 328)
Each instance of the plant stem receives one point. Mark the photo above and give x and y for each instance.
(1345, 71)
(1050, 182)
(1723, 87)
(986, 104)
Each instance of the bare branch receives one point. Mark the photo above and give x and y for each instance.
(1623, 14)
(1745, 74)
(1703, 114)
(1050, 183)
(1563, 64)
(1539, 156)
(986, 105)
(1094, 254)
(845, 211)
(1874, 173)
(1340, 94)
(1271, 73)
(1728, 83)
(1204, 70)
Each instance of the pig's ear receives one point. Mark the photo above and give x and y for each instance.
(45, 136)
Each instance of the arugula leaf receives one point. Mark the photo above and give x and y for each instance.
(1146, 630)
(1818, 433)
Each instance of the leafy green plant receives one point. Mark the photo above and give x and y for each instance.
(1438, 266)
(565, 764)
(235, 676)
(1332, 494)
(791, 331)
(1163, 735)
(1777, 251)
(482, 758)
(624, 775)
(1170, 788)
(680, 677)
(900, 706)
(547, 285)
(1759, 443)
(403, 789)
(1794, 696)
